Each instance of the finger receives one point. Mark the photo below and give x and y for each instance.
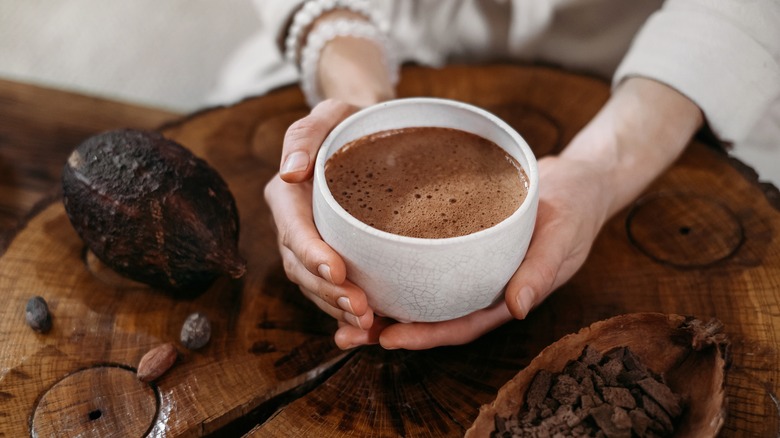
(291, 209)
(423, 335)
(547, 264)
(345, 318)
(348, 336)
(304, 137)
(346, 297)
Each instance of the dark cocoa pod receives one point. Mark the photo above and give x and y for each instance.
(152, 211)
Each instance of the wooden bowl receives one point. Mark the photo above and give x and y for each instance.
(688, 353)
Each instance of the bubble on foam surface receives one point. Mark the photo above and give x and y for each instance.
(426, 182)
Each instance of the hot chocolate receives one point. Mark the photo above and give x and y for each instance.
(426, 182)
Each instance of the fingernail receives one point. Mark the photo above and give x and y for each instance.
(387, 346)
(295, 162)
(345, 305)
(525, 298)
(354, 320)
(324, 271)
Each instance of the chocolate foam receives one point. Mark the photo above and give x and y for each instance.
(426, 182)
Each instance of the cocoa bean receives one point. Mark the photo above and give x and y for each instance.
(152, 211)
(196, 331)
(156, 362)
(37, 314)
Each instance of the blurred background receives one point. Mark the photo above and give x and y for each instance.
(166, 54)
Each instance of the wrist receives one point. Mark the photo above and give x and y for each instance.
(353, 70)
(344, 52)
(640, 132)
(311, 11)
(568, 182)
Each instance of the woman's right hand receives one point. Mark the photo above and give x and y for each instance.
(308, 261)
(352, 74)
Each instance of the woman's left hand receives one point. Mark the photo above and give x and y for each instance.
(641, 130)
(572, 209)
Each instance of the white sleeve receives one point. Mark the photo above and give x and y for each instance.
(275, 15)
(258, 66)
(724, 55)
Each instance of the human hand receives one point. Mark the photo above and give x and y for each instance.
(572, 208)
(308, 261)
(641, 130)
(352, 74)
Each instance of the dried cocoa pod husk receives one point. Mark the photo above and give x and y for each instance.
(688, 353)
(152, 211)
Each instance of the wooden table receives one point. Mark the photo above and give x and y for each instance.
(704, 240)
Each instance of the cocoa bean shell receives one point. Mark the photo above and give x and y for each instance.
(156, 362)
(670, 345)
(152, 211)
(196, 331)
(37, 314)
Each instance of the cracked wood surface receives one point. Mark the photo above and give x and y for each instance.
(701, 241)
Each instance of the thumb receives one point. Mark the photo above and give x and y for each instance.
(524, 295)
(304, 137)
(553, 256)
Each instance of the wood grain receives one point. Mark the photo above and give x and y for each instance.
(38, 129)
(271, 368)
(102, 401)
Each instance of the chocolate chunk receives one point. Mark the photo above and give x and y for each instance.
(587, 386)
(640, 422)
(577, 370)
(631, 362)
(598, 381)
(590, 356)
(531, 417)
(620, 397)
(616, 353)
(662, 395)
(610, 371)
(551, 403)
(568, 416)
(614, 422)
(613, 395)
(621, 419)
(630, 377)
(538, 389)
(589, 402)
(657, 413)
(565, 390)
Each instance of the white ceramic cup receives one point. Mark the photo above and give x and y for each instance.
(418, 279)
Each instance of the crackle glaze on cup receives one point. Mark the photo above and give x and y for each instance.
(417, 279)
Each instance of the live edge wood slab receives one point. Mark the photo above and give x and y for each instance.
(704, 240)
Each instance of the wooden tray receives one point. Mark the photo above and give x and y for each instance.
(702, 241)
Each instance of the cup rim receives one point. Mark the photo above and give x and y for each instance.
(320, 183)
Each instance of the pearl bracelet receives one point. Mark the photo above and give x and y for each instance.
(325, 32)
(312, 9)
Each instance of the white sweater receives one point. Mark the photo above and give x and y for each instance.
(722, 54)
